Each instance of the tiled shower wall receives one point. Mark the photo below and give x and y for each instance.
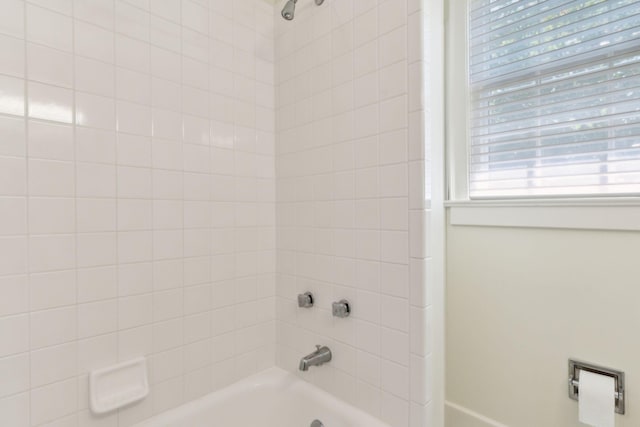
(352, 202)
(136, 200)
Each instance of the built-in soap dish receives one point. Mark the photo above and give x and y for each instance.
(119, 385)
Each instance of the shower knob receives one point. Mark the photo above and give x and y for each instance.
(341, 308)
(305, 300)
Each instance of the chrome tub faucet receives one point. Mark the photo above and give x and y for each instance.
(319, 357)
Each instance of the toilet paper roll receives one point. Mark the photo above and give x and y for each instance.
(596, 402)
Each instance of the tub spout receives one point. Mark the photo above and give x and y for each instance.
(319, 357)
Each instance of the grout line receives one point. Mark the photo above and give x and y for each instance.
(27, 203)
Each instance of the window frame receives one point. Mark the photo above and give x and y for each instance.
(567, 212)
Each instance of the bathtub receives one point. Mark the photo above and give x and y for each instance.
(272, 398)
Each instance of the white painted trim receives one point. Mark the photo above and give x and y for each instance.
(476, 416)
(588, 217)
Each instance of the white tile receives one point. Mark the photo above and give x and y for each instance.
(12, 96)
(96, 249)
(392, 15)
(134, 279)
(393, 114)
(132, 53)
(13, 59)
(50, 141)
(13, 255)
(95, 180)
(97, 284)
(165, 64)
(97, 318)
(12, 18)
(394, 247)
(51, 290)
(97, 352)
(49, 28)
(53, 401)
(133, 118)
(52, 252)
(393, 147)
(95, 111)
(393, 46)
(195, 17)
(94, 215)
(53, 364)
(14, 295)
(135, 214)
(63, 6)
(50, 103)
(96, 12)
(167, 305)
(167, 335)
(168, 394)
(394, 410)
(13, 142)
(394, 313)
(134, 150)
(394, 181)
(14, 216)
(135, 342)
(134, 183)
(131, 21)
(15, 374)
(166, 365)
(167, 274)
(14, 410)
(197, 327)
(51, 178)
(50, 66)
(394, 280)
(51, 215)
(135, 311)
(94, 76)
(197, 299)
(393, 214)
(366, 27)
(51, 327)
(95, 146)
(133, 86)
(167, 9)
(15, 333)
(93, 42)
(394, 346)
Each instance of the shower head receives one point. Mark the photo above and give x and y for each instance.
(289, 9)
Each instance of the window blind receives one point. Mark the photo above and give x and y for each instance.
(554, 98)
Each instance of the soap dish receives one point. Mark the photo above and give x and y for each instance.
(119, 385)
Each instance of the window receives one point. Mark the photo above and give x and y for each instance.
(550, 94)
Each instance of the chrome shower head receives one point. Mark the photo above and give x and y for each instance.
(289, 10)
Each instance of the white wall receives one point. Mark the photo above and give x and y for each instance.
(520, 303)
(351, 191)
(136, 200)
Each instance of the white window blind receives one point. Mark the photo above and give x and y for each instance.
(555, 98)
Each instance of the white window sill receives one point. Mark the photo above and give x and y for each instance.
(594, 214)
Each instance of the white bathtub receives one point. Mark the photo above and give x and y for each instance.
(273, 398)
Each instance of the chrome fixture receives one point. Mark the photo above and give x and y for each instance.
(305, 300)
(341, 308)
(317, 423)
(575, 367)
(319, 357)
(289, 9)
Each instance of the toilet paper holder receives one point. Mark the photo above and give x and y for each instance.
(576, 366)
